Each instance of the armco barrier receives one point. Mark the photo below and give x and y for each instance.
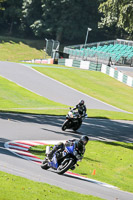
(128, 80)
(95, 67)
(80, 63)
(40, 61)
(84, 64)
(76, 63)
(61, 61)
(113, 72)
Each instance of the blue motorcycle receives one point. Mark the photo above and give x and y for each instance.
(61, 161)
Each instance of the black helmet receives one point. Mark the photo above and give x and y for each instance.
(84, 139)
(81, 102)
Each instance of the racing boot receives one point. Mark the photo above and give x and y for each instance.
(73, 167)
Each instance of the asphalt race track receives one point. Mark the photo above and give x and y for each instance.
(44, 127)
(47, 87)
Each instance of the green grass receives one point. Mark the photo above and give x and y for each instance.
(95, 84)
(18, 188)
(17, 50)
(38, 44)
(14, 98)
(111, 160)
(109, 114)
(17, 99)
(39, 150)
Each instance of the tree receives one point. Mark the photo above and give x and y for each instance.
(62, 19)
(118, 15)
(71, 18)
(32, 12)
(1, 7)
(11, 14)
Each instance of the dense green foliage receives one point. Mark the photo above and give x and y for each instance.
(118, 17)
(67, 20)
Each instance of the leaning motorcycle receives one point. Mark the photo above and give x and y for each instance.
(61, 161)
(73, 120)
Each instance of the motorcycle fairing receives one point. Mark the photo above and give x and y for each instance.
(70, 149)
(54, 163)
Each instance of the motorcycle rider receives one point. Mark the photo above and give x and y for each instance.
(74, 118)
(81, 108)
(79, 146)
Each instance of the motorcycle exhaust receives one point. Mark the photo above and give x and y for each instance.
(47, 149)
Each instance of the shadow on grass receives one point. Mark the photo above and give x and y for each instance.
(127, 146)
(38, 44)
(89, 159)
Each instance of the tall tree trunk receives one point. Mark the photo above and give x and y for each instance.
(59, 34)
(11, 27)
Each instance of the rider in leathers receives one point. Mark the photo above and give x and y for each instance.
(81, 108)
(79, 146)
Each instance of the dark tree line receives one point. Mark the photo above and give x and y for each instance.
(67, 20)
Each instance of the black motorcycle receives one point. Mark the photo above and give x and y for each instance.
(73, 120)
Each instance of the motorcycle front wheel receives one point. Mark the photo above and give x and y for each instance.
(67, 164)
(77, 127)
(64, 126)
(44, 165)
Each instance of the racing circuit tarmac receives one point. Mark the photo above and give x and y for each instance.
(44, 127)
(43, 85)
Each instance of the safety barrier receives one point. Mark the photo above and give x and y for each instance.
(113, 72)
(39, 61)
(81, 64)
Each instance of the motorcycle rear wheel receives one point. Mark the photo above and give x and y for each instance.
(63, 168)
(77, 127)
(64, 126)
(44, 165)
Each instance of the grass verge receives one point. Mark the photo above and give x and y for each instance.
(109, 114)
(18, 188)
(95, 84)
(111, 160)
(15, 50)
(14, 98)
(38, 44)
(18, 99)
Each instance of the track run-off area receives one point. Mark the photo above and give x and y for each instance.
(31, 128)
